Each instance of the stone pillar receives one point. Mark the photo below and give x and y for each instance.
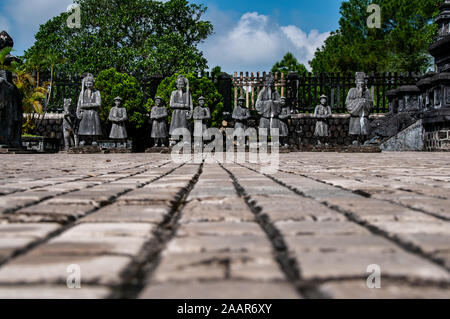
(225, 89)
(409, 99)
(292, 81)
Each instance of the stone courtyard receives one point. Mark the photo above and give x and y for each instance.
(142, 226)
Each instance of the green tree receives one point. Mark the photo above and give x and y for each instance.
(111, 84)
(133, 36)
(289, 64)
(198, 87)
(400, 45)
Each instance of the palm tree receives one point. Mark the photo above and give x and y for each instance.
(51, 59)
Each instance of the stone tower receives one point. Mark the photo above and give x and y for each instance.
(437, 117)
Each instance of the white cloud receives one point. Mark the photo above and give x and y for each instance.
(256, 42)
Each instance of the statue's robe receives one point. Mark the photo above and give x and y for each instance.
(11, 114)
(321, 113)
(268, 106)
(118, 116)
(240, 116)
(200, 116)
(181, 110)
(159, 127)
(285, 114)
(87, 111)
(359, 105)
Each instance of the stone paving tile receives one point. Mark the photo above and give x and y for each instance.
(117, 213)
(50, 269)
(214, 243)
(80, 246)
(11, 245)
(295, 209)
(46, 212)
(220, 248)
(357, 289)
(221, 290)
(101, 230)
(36, 231)
(215, 210)
(52, 292)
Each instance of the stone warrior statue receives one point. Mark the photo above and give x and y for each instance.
(118, 116)
(181, 103)
(69, 126)
(359, 104)
(321, 113)
(159, 116)
(10, 112)
(268, 105)
(201, 115)
(87, 111)
(285, 114)
(241, 114)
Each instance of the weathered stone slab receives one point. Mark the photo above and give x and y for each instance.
(53, 269)
(221, 290)
(53, 292)
(358, 289)
(128, 214)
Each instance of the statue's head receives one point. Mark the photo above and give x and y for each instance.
(283, 101)
(118, 101)
(241, 101)
(269, 81)
(201, 101)
(323, 100)
(360, 79)
(158, 101)
(67, 104)
(181, 82)
(89, 81)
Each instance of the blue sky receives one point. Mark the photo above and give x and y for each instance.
(249, 35)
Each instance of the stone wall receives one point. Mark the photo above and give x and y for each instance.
(437, 137)
(50, 126)
(302, 129)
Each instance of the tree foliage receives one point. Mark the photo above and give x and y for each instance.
(289, 64)
(400, 45)
(133, 36)
(111, 84)
(198, 87)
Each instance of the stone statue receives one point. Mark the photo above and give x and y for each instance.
(87, 111)
(241, 114)
(201, 115)
(69, 126)
(321, 113)
(159, 116)
(268, 105)
(118, 116)
(285, 114)
(7, 42)
(11, 112)
(359, 104)
(181, 103)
